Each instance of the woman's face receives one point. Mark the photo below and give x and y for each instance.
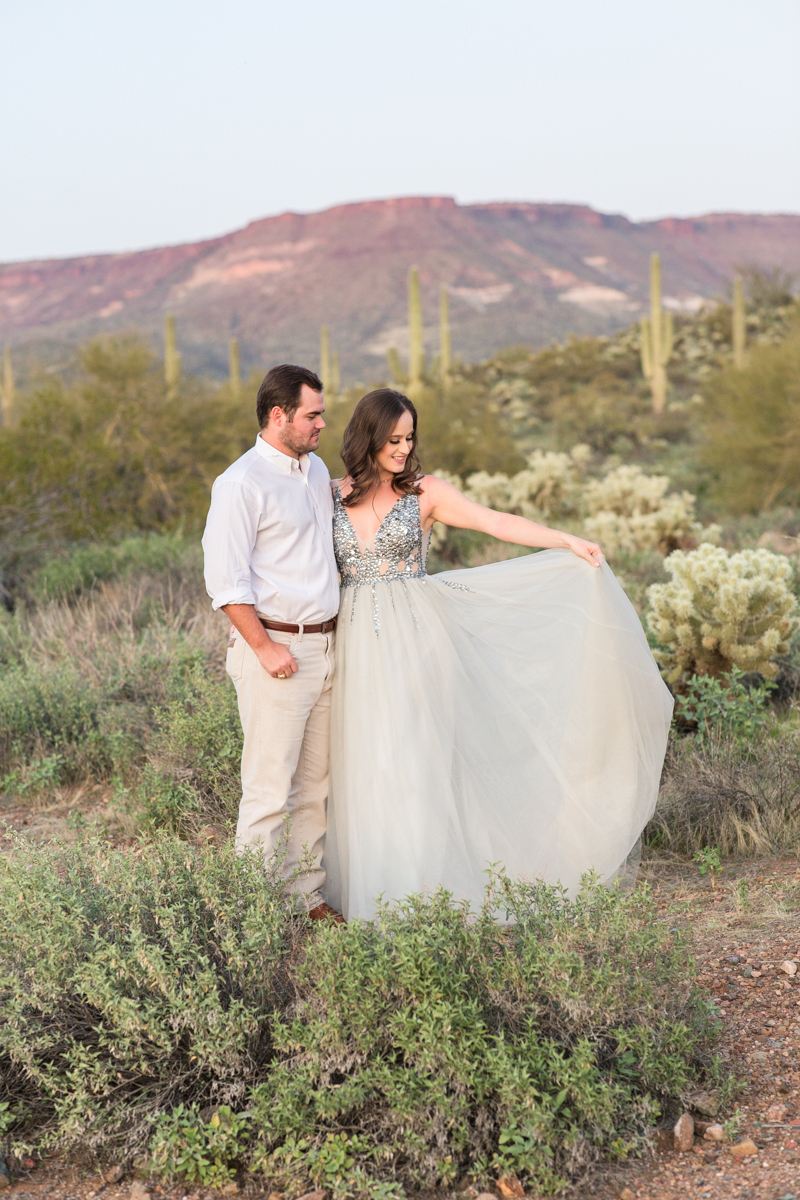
(391, 458)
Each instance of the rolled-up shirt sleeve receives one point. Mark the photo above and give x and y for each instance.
(228, 541)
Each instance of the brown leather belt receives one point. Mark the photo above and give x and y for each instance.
(283, 627)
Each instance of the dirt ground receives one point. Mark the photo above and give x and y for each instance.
(752, 915)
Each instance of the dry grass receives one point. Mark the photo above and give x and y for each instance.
(743, 798)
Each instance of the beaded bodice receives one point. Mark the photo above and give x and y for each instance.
(397, 551)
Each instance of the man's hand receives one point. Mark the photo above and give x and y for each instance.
(274, 657)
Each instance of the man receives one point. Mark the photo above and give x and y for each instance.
(270, 567)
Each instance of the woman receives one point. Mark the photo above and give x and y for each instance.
(510, 714)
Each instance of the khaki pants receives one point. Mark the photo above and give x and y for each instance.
(286, 724)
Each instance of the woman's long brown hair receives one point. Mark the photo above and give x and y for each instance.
(367, 432)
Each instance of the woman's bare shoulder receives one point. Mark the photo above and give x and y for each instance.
(344, 486)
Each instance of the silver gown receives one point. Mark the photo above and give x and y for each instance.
(510, 714)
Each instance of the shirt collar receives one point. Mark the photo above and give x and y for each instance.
(284, 462)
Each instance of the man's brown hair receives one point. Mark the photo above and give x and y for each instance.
(280, 388)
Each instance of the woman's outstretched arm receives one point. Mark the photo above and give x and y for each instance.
(443, 502)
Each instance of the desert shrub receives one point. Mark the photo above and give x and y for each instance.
(720, 611)
(132, 982)
(123, 455)
(160, 999)
(725, 705)
(629, 511)
(740, 795)
(79, 568)
(81, 684)
(192, 777)
(752, 426)
(57, 715)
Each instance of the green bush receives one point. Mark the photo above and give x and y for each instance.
(192, 778)
(167, 1002)
(725, 705)
(82, 686)
(51, 711)
(78, 568)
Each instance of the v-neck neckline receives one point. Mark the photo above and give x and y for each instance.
(358, 537)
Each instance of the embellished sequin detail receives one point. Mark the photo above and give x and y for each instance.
(396, 553)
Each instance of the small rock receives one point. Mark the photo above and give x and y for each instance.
(789, 967)
(626, 1194)
(706, 1103)
(5, 1175)
(700, 1128)
(313, 1196)
(230, 1189)
(714, 1133)
(486, 1196)
(139, 1191)
(271, 1196)
(114, 1174)
(510, 1188)
(776, 1112)
(790, 1144)
(744, 1148)
(683, 1132)
(734, 958)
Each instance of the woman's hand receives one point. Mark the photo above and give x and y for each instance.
(588, 550)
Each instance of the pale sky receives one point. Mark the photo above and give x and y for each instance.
(130, 125)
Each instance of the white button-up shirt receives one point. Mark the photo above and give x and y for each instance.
(269, 537)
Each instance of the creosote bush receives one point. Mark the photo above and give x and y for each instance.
(720, 611)
(165, 1002)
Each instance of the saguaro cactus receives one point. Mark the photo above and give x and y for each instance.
(416, 350)
(172, 359)
(445, 345)
(656, 339)
(324, 358)
(739, 333)
(8, 388)
(335, 380)
(395, 366)
(234, 367)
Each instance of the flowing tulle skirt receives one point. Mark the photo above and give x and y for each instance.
(510, 714)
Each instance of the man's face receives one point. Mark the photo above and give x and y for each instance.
(300, 435)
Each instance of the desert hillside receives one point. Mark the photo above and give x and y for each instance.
(516, 272)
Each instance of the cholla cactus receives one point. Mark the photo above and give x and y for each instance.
(550, 487)
(631, 511)
(720, 611)
(491, 490)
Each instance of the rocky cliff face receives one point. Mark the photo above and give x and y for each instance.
(516, 273)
